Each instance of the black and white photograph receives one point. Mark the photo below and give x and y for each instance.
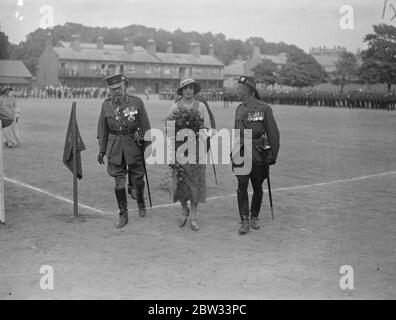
(197, 150)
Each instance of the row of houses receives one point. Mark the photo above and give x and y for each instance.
(77, 64)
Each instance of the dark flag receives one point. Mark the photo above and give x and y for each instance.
(68, 153)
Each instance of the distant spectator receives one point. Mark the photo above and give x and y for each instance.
(11, 133)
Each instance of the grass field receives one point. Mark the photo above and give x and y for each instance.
(334, 202)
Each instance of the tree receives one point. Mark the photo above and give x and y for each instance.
(301, 71)
(347, 69)
(379, 60)
(265, 72)
(4, 44)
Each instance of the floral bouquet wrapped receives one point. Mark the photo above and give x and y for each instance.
(186, 118)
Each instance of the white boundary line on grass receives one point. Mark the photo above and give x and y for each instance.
(52, 195)
(83, 206)
(319, 184)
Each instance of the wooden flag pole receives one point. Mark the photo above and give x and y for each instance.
(74, 141)
(2, 208)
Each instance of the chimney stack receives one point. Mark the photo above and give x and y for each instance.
(76, 42)
(100, 42)
(151, 47)
(48, 41)
(129, 46)
(169, 47)
(256, 51)
(211, 50)
(195, 49)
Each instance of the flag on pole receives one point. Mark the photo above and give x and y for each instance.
(73, 147)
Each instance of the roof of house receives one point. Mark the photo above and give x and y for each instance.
(14, 69)
(186, 58)
(113, 53)
(235, 68)
(110, 53)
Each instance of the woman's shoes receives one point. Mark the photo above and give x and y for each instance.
(194, 225)
(183, 218)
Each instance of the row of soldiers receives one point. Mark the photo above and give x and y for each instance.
(355, 99)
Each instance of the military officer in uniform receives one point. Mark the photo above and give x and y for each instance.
(256, 115)
(123, 123)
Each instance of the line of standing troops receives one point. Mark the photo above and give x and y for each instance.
(123, 122)
(356, 99)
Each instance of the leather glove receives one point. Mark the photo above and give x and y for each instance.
(101, 158)
(271, 161)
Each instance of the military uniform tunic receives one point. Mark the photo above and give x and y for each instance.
(255, 115)
(121, 130)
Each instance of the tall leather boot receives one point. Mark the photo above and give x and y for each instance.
(140, 201)
(123, 206)
(131, 187)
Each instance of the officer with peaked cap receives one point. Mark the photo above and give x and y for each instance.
(123, 123)
(257, 116)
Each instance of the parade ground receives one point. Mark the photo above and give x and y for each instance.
(334, 203)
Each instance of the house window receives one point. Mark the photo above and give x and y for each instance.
(94, 67)
(73, 69)
(148, 69)
(103, 70)
(167, 71)
(121, 68)
(131, 69)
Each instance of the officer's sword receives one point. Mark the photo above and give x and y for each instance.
(147, 181)
(214, 169)
(266, 150)
(137, 139)
(269, 191)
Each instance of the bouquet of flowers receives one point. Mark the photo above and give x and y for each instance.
(186, 118)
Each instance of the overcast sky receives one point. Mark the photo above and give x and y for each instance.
(305, 23)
